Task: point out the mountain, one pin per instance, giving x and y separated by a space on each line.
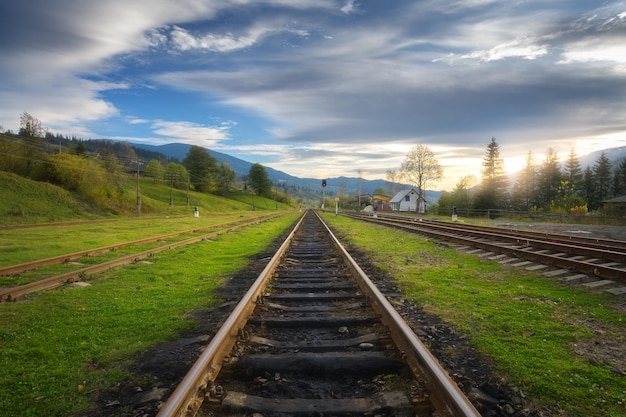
334 186
615 155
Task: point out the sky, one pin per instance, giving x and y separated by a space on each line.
323 88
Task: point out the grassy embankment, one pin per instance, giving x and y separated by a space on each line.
23 201
61 346
531 326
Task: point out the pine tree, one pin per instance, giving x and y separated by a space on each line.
493 187
525 189
573 174
620 179
602 180
549 179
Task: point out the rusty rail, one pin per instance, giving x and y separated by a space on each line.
60 259
445 394
11 294
518 247
185 400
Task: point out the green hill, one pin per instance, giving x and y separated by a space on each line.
23 201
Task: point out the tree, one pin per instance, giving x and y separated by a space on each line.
259 181
202 168
549 179
225 177
524 190
393 179
588 187
620 179
421 168
460 197
32 146
492 192
573 175
176 175
30 127
601 181
154 170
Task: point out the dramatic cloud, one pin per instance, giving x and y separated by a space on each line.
323 87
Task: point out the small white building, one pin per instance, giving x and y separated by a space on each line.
407 200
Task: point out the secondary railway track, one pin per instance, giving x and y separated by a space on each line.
314 336
599 263
51 282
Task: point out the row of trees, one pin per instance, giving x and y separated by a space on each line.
199 171
98 172
545 186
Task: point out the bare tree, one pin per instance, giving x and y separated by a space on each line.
30 126
393 178
421 168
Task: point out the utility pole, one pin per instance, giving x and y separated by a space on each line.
138 196
188 180
171 178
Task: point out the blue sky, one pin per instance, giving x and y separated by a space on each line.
323 88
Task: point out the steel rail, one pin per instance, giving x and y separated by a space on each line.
581 266
13 293
184 400
60 259
617 247
445 394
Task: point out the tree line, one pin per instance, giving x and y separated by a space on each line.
545 186
97 169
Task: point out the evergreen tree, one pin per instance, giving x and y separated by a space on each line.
573 175
525 189
493 187
620 179
549 179
602 181
588 187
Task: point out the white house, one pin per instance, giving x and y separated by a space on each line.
407 200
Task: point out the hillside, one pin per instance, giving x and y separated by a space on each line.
23 201
26 201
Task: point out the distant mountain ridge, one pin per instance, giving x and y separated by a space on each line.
242 168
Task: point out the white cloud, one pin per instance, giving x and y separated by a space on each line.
350 7
192 133
524 49
184 41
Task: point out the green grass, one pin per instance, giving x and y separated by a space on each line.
528 324
26 201
23 201
24 245
61 346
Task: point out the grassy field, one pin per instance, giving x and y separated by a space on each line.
23 245
531 326
63 345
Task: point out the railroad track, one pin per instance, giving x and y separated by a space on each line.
52 282
592 262
314 336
